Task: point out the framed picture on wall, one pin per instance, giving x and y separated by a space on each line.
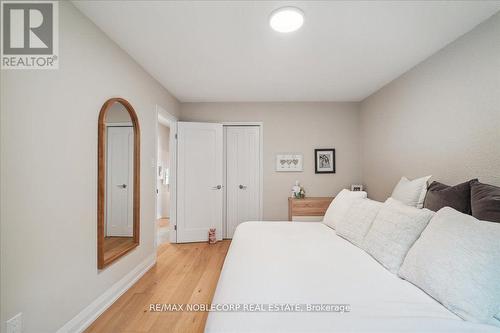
289 163
356 187
324 160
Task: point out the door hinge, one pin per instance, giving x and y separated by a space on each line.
175 227
175 136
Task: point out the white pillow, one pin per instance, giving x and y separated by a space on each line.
339 206
358 220
411 192
457 261
394 231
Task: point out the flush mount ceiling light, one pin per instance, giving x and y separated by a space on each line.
286 19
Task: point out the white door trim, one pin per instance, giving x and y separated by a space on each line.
261 167
166 118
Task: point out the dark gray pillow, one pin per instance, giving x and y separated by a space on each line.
485 201
457 197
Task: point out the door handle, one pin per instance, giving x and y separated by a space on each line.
122 185
218 187
242 187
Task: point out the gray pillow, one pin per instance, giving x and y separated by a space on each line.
456 261
457 197
485 201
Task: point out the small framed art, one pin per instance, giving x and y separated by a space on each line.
324 160
289 162
356 187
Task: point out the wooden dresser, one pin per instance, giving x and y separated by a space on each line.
309 206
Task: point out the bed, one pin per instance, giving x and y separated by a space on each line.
307 263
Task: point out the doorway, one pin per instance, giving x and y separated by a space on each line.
163 184
165 180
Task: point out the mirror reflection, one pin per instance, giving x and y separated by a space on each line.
119 176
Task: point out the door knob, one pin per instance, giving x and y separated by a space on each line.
122 185
242 187
218 187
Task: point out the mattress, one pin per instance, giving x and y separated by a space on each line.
294 263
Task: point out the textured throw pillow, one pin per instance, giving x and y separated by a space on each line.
457 197
485 201
394 231
358 220
339 206
411 192
456 261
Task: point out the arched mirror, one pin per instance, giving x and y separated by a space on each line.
118 181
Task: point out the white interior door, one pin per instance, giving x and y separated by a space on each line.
119 178
242 176
199 180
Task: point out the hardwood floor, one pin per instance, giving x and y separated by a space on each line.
184 273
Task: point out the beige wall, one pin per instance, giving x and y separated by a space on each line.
300 128
440 118
164 158
49 174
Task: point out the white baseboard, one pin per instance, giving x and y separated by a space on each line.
88 315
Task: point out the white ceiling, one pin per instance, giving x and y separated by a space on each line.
226 51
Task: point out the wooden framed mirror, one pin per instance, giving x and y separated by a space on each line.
118 188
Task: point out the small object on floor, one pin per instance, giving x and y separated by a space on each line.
211 236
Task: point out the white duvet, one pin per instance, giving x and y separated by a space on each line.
307 263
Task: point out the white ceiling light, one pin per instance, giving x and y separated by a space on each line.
286 19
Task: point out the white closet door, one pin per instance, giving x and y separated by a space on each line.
242 176
199 180
119 181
